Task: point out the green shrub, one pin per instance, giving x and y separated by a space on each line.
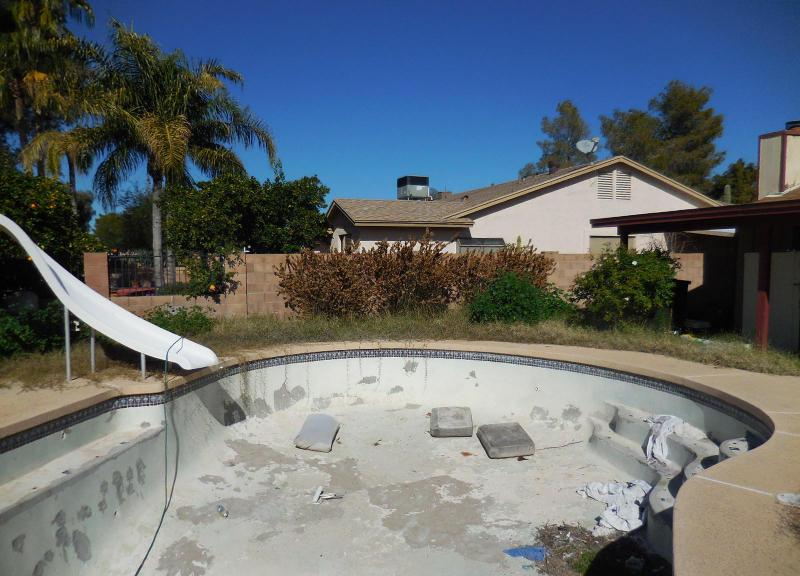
188 321
510 298
31 330
627 286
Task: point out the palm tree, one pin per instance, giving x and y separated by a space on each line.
31 56
167 114
76 96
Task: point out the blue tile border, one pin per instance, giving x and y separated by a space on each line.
138 400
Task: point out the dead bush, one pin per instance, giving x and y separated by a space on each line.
398 277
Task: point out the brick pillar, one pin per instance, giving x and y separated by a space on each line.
95 272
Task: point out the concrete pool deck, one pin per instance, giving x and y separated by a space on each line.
727 520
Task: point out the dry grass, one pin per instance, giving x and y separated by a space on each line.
47 370
230 336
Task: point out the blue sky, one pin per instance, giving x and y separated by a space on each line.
360 93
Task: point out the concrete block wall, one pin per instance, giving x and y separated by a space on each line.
569 266
258 291
95 272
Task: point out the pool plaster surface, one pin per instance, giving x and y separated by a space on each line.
412 503
727 520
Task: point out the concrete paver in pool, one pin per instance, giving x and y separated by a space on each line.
505 440
451 421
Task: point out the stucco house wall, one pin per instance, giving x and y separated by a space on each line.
368 236
557 218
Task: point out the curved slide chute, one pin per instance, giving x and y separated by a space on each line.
106 317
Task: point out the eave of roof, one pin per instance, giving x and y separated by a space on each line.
459 223
431 222
703 218
588 169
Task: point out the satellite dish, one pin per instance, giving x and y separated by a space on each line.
588 146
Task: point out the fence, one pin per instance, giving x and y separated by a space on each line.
258 289
133 274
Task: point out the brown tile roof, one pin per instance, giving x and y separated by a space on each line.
455 209
399 211
481 195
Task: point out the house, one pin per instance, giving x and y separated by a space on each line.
551 211
765 279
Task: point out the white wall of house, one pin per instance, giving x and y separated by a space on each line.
557 219
368 236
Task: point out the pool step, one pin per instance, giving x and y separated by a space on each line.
622 440
69 467
688 447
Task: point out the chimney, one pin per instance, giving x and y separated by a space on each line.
779 160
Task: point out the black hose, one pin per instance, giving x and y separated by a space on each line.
168 491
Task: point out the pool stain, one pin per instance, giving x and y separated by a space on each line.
185 557
368 380
395 390
410 367
438 511
18 543
82 545
284 398
254 457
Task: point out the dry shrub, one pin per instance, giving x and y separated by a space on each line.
398 277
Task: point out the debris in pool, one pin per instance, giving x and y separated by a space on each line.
465 453
661 426
318 433
506 440
535 553
624 504
449 421
321 495
377 442
222 511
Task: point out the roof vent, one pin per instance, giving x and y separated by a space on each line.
413 188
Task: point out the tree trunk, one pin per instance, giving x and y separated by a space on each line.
73 185
158 278
19 112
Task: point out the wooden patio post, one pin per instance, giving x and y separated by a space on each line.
764 232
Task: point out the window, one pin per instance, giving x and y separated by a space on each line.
600 244
614 184
481 245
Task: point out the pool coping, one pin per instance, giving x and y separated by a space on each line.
732 502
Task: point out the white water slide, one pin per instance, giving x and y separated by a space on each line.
106 317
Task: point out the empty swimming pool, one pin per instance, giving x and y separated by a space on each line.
84 494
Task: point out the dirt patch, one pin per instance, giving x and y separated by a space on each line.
572 550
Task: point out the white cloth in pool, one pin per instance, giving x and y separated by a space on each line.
318 433
660 427
624 504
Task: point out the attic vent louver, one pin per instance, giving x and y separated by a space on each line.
614 184
622 185
605 186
